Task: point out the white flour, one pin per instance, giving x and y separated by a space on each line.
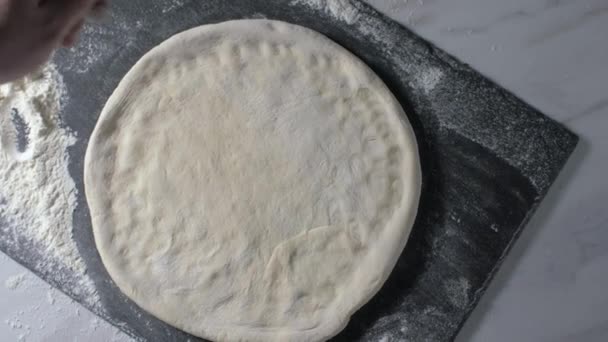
28 317
169 6
340 9
98 41
458 291
426 78
37 194
429 78
14 282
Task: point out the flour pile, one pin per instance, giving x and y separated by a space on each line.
37 194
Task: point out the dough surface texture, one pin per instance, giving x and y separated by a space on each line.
252 181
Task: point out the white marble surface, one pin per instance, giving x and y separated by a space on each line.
552 287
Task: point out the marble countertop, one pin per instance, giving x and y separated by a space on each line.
552 287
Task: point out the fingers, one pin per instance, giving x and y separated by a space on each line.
99 8
69 12
97 13
66 17
72 36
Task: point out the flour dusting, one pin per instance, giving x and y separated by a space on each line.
458 291
428 79
172 5
14 282
340 9
377 32
33 319
89 50
37 194
99 41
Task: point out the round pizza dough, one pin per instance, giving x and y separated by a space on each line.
252 181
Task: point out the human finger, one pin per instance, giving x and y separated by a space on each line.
63 17
67 13
72 36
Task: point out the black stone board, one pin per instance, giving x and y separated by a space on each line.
488 160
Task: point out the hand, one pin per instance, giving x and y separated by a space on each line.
30 30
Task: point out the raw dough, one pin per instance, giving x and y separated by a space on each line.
252 181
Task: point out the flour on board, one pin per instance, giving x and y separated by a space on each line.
458 290
346 11
427 79
37 194
169 6
341 9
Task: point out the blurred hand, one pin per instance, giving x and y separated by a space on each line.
30 30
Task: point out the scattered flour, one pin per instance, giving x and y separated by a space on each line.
14 323
429 78
94 324
23 330
14 282
37 194
100 40
458 291
30 318
172 5
346 11
50 297
408 13
340 9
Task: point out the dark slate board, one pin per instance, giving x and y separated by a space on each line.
488 160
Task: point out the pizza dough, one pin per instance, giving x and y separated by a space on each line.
252 181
